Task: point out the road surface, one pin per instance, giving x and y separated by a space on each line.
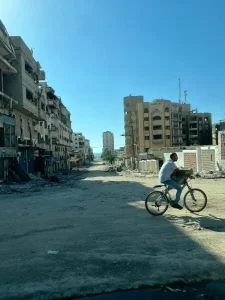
96 236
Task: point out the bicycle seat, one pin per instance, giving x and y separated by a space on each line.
159 186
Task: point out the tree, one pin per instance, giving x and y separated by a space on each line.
90 155
108 156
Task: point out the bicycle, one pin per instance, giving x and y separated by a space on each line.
156 199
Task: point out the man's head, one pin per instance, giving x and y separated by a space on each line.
174 157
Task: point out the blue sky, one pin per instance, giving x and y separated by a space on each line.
95 52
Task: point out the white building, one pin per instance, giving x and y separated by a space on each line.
108 141
80 144
78 141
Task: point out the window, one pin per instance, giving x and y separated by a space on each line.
157 127
30 97
28 68
168 137
42 106
146 110
146 128
156 118
147 138
167 118
167 109
146 119
167 127
157 137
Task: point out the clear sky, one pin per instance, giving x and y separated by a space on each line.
95 52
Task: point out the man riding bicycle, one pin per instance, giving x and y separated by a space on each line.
167 169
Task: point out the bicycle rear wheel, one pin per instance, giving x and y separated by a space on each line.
156 203
195 200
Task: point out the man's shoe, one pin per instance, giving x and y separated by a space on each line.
176 205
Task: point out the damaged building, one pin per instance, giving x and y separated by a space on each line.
7 120
34 122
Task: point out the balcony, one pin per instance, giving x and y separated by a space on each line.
54 128
49 89
158 131
6 67
167 132
55 141
193 136
53 103
42 115
42 75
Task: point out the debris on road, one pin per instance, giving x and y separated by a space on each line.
68 180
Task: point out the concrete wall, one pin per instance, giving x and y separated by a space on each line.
221 149
151 166
190 160
205 158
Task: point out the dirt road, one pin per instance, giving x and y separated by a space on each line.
104 240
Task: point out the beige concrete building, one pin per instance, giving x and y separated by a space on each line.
160 123
59 123
7 121
108 141
33 120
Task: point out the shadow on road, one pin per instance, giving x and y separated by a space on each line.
109 242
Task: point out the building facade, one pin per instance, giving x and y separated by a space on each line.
162 123
216 128
80 147
7 121
108 141
34 122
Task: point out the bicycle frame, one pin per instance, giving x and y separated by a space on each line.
186 184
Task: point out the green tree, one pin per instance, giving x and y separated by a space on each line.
90 155
108 156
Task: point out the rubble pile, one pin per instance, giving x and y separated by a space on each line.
38 183
210 174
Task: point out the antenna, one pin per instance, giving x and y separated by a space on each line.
185 96
179 90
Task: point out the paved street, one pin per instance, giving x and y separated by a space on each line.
101 238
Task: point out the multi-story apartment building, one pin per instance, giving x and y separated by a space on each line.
197 128
23 86
108 141
43 125
80 146
216 128
7 122
162 123
58 123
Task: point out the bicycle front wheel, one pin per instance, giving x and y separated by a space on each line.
195 200
156 203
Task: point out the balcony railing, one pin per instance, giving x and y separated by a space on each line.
53 103
55 141
54 128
